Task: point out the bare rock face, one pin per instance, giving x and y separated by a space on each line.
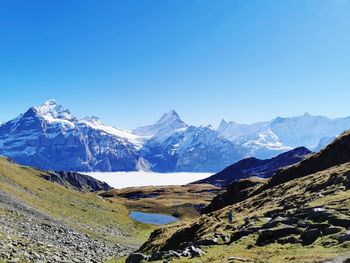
77 181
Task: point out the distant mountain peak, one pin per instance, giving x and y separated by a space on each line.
50 102
169 117
51 111
223 123
167 124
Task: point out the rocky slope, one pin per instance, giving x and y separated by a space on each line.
41 221
255 167
304 218
77 181
29 235
235 192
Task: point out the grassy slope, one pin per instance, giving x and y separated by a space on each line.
323 188
82 211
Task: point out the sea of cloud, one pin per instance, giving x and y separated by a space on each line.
130 179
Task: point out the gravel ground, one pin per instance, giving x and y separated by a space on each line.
28 235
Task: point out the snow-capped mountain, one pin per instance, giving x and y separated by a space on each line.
169 123
50 137
191 149
266 139
175 146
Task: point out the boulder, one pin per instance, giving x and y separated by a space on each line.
319 214
344 237
207 242
238 259
288 240
196 252
186 253
237 235
309 236
343 222
318 225
271 235
290 220
283 220
137 258
330 230
160 255
302 223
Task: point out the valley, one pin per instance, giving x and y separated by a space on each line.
181 201
175 131
292 207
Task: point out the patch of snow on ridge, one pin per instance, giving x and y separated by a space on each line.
130 179
269 140
96 124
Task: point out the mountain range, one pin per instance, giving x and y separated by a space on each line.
253 167
300 214
50 137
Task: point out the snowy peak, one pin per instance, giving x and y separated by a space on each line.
51 112
96 124
169 117
283 133
169 123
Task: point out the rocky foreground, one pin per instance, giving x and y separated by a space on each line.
28 235
53 217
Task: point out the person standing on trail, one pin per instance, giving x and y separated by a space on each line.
230 217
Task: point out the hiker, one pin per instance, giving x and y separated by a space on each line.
230 217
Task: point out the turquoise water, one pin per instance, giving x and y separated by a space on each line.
152 219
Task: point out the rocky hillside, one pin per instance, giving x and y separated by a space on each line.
255 167
77 181
336 153
41 221
234 193
302 218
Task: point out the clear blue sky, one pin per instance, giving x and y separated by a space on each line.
129 61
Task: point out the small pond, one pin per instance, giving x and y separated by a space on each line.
152 219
